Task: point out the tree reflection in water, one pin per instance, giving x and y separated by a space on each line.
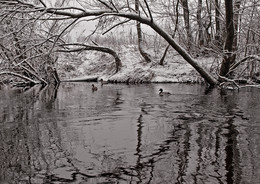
128 134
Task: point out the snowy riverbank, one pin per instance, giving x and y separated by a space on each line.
96 64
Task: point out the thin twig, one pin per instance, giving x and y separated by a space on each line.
114 5
115 26
106 5
149 10
43 3
35 75
233 67
62 33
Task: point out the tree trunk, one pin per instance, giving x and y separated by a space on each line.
207 76
236 20
199 20
140 37
174 32
144 20
227 60
208 25
186 15
217 20
164 55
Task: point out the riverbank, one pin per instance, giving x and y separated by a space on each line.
133 70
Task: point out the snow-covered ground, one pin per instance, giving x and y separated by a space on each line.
134 69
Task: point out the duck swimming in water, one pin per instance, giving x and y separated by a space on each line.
103 82
94 88
162 93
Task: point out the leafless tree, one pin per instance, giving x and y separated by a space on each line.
115 13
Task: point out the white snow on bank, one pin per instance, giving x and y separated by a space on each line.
134 68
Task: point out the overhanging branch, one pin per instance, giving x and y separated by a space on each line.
20 76
133 16
83 47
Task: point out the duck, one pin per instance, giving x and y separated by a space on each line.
94 88
103 82
162 93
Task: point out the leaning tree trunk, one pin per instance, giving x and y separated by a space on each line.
228 48
140 37
134 16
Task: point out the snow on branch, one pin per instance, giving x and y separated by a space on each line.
18 75
66 13
83 47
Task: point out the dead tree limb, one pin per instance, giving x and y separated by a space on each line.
20 76
35 75
66 13
227 82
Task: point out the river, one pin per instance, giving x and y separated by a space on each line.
129 134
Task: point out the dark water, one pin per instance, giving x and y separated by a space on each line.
129 134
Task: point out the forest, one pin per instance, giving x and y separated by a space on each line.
36 34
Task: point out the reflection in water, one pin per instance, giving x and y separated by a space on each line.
129 134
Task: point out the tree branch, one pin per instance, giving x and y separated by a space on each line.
115 26
35 75
62 33
149 10
223 84
134 16
234 66
43 3
90 47
106 5
20 76
111 1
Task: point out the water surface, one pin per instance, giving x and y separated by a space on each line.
129 134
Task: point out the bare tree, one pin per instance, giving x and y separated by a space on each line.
186 15
60 13
176 15
217 22
139 35
116 12
200 24
228 48
23 51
